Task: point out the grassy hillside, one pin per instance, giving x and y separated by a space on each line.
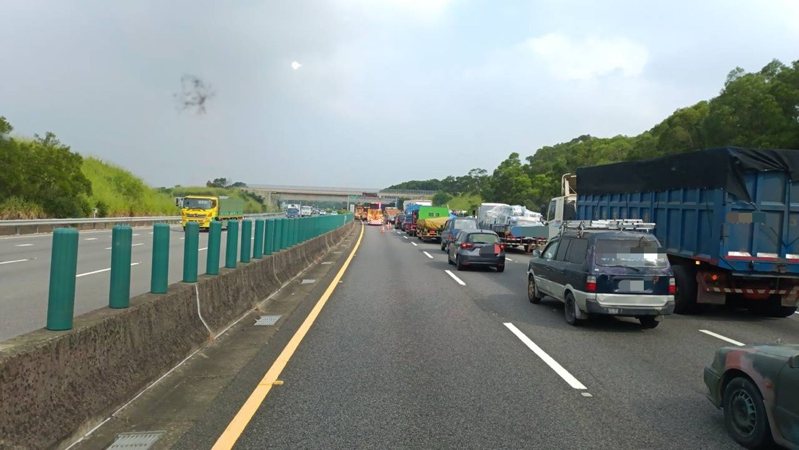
117 192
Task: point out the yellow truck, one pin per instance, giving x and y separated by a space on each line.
206 209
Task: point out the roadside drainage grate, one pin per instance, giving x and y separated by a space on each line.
307 281
267 320
141 440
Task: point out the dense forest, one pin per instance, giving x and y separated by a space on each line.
753 110
41 177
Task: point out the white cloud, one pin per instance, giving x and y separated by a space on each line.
423 10
587 58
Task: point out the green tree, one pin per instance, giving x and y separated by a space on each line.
441 198
510 184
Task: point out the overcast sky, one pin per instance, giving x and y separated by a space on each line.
365 93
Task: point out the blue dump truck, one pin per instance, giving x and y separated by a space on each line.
728 219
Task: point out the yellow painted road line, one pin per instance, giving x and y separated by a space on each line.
236 426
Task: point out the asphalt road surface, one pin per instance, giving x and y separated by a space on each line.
25 273
405 354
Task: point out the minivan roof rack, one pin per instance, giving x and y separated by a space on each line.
613 224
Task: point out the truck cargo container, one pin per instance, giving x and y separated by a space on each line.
728 219
430 221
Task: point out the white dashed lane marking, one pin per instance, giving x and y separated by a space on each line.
457 280
14 261
554 365
723 338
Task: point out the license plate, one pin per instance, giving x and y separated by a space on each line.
613 311
631 285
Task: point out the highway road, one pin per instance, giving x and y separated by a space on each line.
25 272
409 352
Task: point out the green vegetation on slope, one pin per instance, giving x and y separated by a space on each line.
43 178
40 177
117 192
754 110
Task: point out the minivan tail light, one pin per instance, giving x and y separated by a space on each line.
672 287
590 284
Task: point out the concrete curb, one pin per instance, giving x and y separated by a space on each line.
55 385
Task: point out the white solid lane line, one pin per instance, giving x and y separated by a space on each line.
14 261
406 237
90 239
723 338
508 259
414 244
452 275
24 245
554 365
101 271
428 255
204 248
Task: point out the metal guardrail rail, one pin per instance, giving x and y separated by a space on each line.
34 225
71 221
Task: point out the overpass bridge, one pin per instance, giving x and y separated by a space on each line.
278 193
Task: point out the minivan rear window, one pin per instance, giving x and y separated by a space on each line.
634 252
465 224
483 238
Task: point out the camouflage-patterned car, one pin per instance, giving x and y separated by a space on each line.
758 388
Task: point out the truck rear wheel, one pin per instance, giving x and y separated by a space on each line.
774 308
685 297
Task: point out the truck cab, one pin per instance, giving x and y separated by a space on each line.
562 208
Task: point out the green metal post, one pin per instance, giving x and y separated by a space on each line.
280 232
119 292
159 276
63 268
246 240
214 248
231 251
293 236
258 246
284 232
191 247
269 238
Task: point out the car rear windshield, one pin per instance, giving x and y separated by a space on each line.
634 252
483 238
465 224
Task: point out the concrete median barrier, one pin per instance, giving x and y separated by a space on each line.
55 386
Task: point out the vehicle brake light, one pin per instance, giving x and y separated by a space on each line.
672 287
466 245
590 284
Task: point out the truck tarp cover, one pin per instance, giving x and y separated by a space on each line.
710 169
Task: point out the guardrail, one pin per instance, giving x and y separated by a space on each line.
271 236
30 226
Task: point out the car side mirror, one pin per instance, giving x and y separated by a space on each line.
536 253
793 363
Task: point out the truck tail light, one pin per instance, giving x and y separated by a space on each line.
466 245
672 287
590 284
